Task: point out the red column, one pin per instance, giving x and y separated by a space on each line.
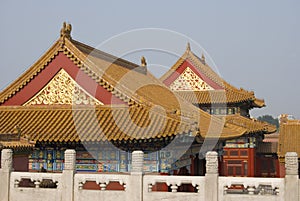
251 162
281 170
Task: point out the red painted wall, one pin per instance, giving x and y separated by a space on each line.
20 163
62 61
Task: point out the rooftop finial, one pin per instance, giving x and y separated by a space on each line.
143 61
203 58
65 31
188 46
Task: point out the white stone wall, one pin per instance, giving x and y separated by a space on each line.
138 187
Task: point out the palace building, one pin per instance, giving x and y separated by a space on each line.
195 81
288 140
104 107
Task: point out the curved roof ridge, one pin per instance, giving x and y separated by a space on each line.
149 97
204 68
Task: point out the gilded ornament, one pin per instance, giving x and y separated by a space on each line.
189 81
63 90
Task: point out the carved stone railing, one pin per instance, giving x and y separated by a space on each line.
251 186
101 179
136 186
36 178
174 181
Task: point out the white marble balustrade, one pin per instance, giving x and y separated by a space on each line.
101 179
251 186
174 181
16 177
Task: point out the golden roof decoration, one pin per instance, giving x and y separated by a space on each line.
235 95
63 90
143 61
203 58
189 81
65 31
188 47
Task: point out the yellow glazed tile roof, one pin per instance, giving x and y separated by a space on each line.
15 140
102 123
251 125
129 82
67 124
289 137
22 143
230 94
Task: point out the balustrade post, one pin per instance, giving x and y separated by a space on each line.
211 176
291 176
67 180
135 187
6 168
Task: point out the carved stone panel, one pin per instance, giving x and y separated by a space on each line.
70 159
211 162
291 163
137 161
6 159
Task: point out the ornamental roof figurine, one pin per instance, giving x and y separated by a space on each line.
203 58
143 61
188 47
65 31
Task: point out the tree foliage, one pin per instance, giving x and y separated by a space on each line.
269 119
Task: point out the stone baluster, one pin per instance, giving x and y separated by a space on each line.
291 176
37 184
6 160
16 183
6 168
251 190
277 191
225 189
80 185
150 187
70 160
211 176
174 188
135 185
211 162
291 163
102 186
68 175
137 162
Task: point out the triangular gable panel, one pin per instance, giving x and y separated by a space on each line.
187 77
45 88
189 81
63 90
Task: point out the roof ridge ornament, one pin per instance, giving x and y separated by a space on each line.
143 67
143 61
65 32
188 47
203 58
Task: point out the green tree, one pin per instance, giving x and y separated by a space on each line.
269 119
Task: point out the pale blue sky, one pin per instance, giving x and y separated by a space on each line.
255 44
